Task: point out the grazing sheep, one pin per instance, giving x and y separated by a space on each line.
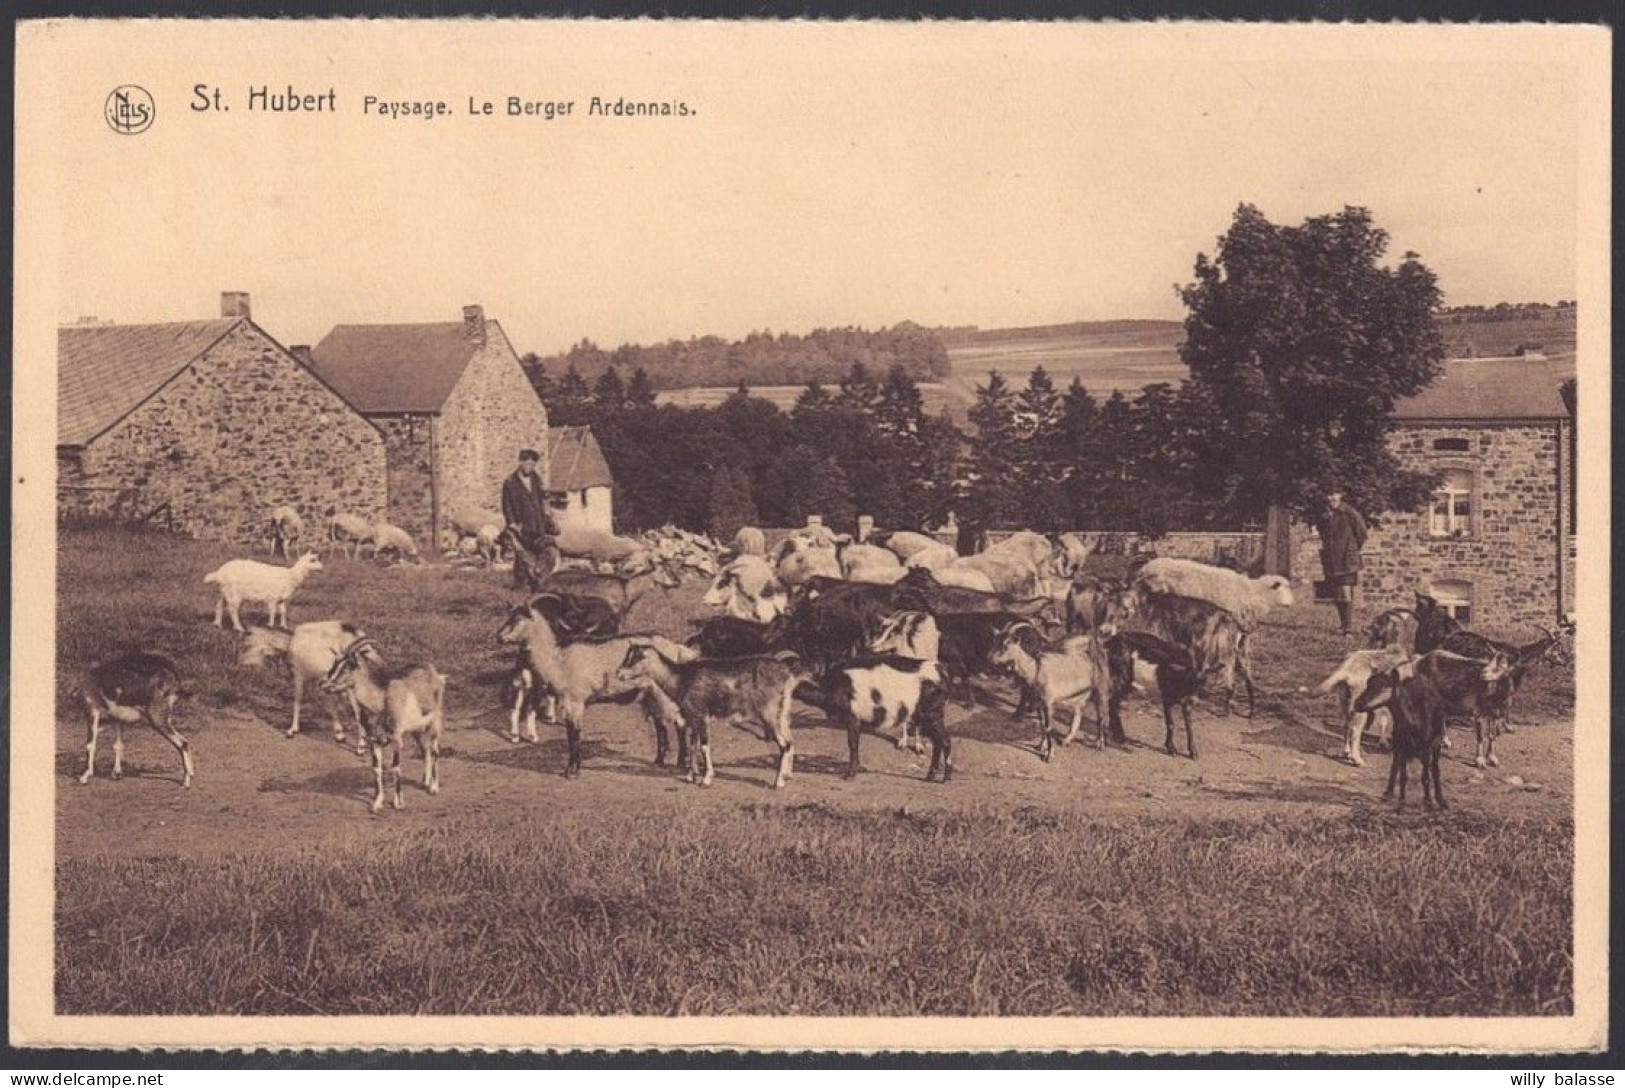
310 650
391 538
133 687
801 562
906 545
248 581
1011 575
1348 680
286 529
407 700
867 563
1247 599
935 557
350 532
749 541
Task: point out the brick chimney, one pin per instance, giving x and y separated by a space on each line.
234 304
302 353
474 323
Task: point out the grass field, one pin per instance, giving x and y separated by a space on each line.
1267 878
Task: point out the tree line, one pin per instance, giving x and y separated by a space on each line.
762 358
1299 342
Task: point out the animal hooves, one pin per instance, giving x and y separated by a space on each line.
1495 761
84 779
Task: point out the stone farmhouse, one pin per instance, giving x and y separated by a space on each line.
453 403
580 487
205 427
1496 547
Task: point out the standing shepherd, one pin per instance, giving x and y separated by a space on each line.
524 508
1342 535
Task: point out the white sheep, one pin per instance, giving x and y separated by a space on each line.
350 532
867 563
286 529
906 545
392 538
963 578
800 562
248 581
1011 574
937 556
1247 599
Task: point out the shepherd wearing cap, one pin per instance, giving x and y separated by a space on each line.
524 505
1342 535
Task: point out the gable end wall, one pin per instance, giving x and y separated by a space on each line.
244 429
491 414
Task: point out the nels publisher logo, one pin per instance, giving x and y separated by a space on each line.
129 110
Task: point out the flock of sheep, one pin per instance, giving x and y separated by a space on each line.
879 635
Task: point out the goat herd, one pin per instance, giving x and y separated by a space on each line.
878 635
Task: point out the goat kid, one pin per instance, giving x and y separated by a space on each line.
395 702
1063 674
133 687
753 693
248 581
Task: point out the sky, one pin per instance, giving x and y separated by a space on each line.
829 174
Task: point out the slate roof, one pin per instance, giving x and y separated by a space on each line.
575 461
105 371
1490 389
385 369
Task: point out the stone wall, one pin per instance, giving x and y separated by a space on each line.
244 429
1510 555
409 441
491 414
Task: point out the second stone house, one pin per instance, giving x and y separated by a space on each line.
454 405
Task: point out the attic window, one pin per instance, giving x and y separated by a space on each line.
1455 597
1450 445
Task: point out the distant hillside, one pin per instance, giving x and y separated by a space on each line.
1100 332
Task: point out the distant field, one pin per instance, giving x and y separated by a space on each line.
1126 355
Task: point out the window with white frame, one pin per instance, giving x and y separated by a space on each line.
1453 505
1455 597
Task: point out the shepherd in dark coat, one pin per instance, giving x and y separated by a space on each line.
1342 535
524 505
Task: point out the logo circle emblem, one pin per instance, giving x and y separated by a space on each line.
129 110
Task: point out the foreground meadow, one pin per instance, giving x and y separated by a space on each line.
1265 879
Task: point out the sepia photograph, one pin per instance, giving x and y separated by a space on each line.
937 536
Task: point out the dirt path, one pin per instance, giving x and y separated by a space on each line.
259 791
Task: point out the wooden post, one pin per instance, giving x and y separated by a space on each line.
1278 542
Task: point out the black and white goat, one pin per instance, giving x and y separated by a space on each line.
133 687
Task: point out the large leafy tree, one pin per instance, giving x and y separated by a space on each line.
1302 341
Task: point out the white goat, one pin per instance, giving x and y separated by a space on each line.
287 527
310 650
248 581
1350 679
395 703
1247 599
350 531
